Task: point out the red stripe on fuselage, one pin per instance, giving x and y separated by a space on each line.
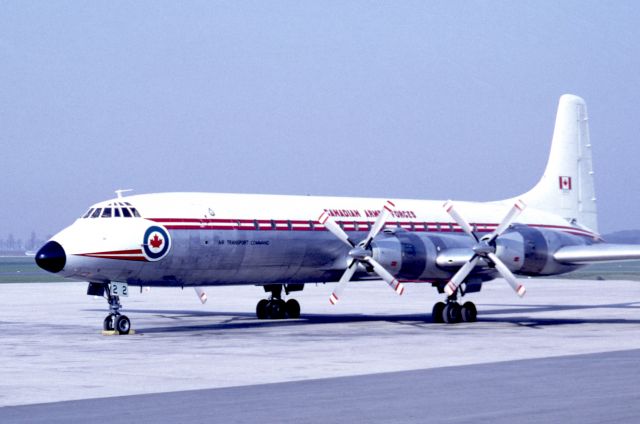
283 225
120 257
116 252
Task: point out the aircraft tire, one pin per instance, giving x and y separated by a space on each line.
122 324
452 313
293 308
277 309
107 324
262 309
437 313
469 312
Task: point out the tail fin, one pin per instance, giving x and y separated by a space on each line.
566 187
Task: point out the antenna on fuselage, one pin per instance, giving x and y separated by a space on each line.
121 190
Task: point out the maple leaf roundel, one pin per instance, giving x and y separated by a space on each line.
156 243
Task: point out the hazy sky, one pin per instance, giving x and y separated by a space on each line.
406 99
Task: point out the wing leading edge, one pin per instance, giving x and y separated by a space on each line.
597 253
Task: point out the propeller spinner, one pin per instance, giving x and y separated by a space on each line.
361 253
484 248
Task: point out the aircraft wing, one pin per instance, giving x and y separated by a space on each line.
597 253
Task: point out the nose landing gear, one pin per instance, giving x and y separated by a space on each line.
114 323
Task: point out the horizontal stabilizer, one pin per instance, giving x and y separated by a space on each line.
597 253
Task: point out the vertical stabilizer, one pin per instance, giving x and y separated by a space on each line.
567 186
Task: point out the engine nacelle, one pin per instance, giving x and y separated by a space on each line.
412 256
534 249
435 256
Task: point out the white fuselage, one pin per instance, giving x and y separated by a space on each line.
184 239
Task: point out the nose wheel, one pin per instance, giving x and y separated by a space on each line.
119 323
115 322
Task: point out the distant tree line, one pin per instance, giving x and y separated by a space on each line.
14 245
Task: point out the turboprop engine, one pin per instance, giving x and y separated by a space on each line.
397 255
523 249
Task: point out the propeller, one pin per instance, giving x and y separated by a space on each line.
201 295
485 248
361 253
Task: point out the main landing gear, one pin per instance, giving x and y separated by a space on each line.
275 307
114 322
452 312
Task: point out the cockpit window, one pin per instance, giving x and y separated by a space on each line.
113 210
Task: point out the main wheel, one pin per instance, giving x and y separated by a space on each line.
436 312
469 312
277 309
107 324
293 308
262 309
451 313
122 324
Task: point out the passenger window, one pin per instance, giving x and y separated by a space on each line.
96 213
106 213
135 212
86 215
116 212
126 213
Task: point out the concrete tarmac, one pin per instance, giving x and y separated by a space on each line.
52 349
589 389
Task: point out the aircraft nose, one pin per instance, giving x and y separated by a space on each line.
51 257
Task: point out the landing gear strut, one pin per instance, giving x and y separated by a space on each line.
275 307
114 321
452 312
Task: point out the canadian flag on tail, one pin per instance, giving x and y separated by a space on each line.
565 183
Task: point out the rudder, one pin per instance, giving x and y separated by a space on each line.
567 185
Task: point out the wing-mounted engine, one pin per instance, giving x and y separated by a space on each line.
530 251
527 251
524 250
416 257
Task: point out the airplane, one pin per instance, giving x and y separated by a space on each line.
284 242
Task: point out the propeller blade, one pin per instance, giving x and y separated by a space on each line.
515 210
459 276
201 295
397 286
342 284
379 222
507 274
448 206
334 228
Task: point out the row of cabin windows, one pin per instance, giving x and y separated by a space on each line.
119 210
410 226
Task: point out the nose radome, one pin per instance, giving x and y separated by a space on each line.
51 257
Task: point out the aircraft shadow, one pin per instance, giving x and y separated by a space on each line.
494 313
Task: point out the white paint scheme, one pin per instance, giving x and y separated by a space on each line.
570 157
274 240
